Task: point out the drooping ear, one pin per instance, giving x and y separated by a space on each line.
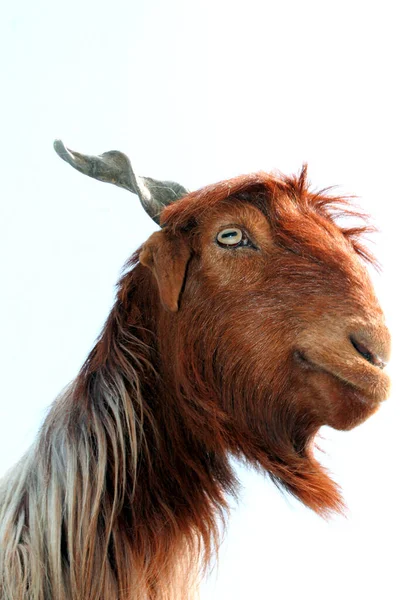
166 255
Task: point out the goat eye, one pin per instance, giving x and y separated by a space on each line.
230 237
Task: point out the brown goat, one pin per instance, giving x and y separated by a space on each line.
243 326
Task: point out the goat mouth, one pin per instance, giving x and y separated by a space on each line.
349 389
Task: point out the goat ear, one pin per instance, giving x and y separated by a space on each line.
167 257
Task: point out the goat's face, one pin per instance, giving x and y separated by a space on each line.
286 332
303 323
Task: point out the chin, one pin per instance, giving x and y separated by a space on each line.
344 406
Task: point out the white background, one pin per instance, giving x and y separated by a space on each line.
198 92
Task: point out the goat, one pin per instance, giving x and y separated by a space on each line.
239 329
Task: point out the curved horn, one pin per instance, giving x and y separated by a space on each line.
115 167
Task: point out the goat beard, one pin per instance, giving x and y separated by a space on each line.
281 441
233 412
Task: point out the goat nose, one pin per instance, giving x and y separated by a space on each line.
364 348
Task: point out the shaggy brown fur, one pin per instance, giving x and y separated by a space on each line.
209 352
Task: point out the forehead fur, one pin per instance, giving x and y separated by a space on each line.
295 213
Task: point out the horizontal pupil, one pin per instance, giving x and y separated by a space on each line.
230 234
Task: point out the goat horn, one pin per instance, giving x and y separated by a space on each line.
115 167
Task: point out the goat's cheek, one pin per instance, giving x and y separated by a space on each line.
233 269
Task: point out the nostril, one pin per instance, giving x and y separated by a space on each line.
369 356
